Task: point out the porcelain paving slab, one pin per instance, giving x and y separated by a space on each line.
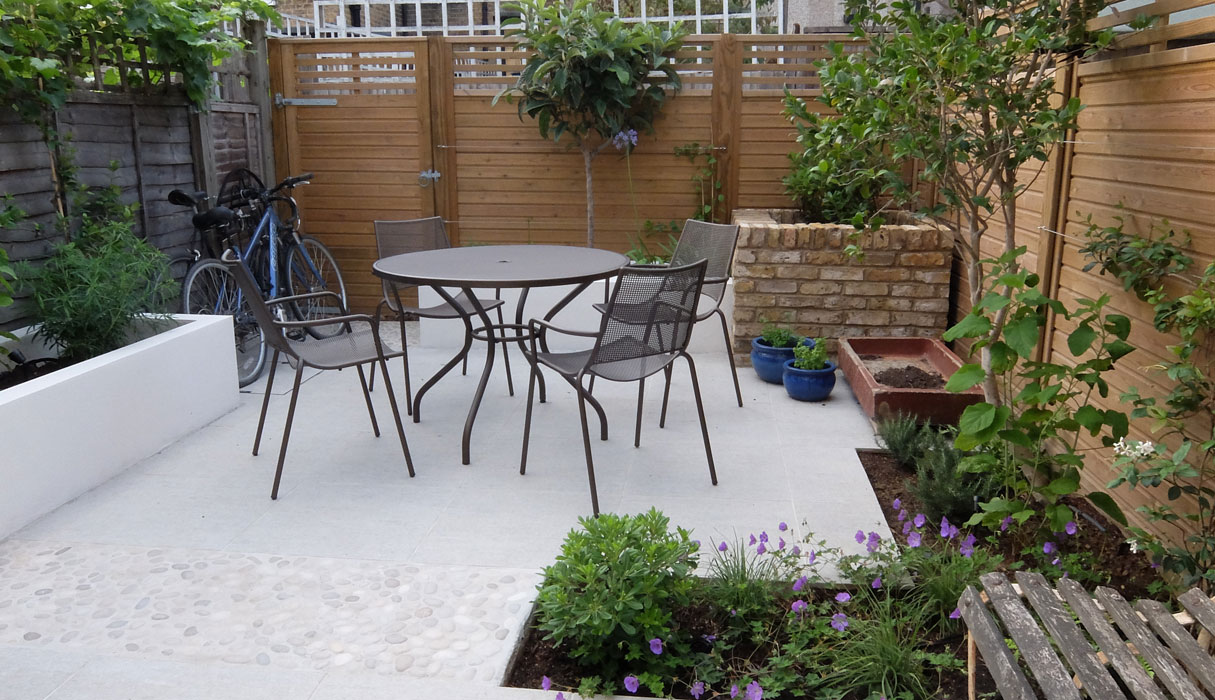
280 612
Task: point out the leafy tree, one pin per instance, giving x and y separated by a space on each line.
591 76
973 95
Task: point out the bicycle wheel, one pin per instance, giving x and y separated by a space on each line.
310 267
210 288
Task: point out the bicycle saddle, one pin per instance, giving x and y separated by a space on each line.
187 199
214 217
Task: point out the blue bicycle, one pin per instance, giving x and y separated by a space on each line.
283 262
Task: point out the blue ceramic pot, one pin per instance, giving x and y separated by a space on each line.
769 362
809 384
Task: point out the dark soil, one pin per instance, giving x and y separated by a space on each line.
909 377
1130 574
31 369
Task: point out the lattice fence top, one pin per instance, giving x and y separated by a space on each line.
787 62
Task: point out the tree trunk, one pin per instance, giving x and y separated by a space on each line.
588 155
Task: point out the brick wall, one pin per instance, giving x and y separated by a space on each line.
797 275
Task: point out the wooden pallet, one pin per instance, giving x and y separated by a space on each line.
1109 653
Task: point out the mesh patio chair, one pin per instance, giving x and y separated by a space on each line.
714 243
645 327
359 344
412 236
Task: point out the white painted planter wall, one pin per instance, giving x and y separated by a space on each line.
69 431
578 315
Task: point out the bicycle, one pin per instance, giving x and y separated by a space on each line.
273 247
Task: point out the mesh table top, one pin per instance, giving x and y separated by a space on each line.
501 266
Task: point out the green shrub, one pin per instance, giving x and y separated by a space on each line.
806 357
614 588
776 336
744 581
91 292
943 488
903 436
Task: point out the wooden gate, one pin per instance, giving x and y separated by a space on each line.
356 113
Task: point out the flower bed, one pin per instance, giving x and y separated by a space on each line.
621 611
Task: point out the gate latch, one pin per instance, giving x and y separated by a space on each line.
280 101
428 177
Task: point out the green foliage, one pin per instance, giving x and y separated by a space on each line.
93 291
1182 468
705 182
839 173
744 581
810 358
903 436
776 336
1030 443
47 45
942 486
613 588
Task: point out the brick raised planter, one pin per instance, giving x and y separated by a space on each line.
798 275
861 358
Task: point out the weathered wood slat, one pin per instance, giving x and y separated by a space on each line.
990 641
1200 608
1137 633
1076 649
1183 647
1035 648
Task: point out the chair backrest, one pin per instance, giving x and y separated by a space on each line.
714 243
650 314
252 298
408 236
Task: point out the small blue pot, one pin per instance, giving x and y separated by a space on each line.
769 362
809 384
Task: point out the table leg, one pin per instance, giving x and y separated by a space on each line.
523 350
417 398
491 343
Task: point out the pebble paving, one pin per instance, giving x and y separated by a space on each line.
356 616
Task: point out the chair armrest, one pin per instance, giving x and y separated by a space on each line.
535 324
716 280
348 318
308 295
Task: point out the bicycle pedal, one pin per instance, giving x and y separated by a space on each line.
296 334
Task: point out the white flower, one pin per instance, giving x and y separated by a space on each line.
1134 449
1134 543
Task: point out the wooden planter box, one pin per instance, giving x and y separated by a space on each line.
73 429
880 401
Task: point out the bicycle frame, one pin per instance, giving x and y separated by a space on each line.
270 226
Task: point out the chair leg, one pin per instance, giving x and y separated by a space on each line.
640 398
282 450
586 445
371 381
725 333
261 421
527 419
396 414
375 427
510 384
590 389
700 410
405 371
666 393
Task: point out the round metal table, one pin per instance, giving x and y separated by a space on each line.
497 267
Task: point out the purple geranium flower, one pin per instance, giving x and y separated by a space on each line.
1005 523
754 692
698 689
898 503
875 541
810 558
783 526
710 638
906 527
752 539
545 683
1070 528
839 621
955 614
860 537
780 544
734 691
1049 547
919 520
799 606
877 583
624 139
761 548
913 540
656 646
948 531
722 547
797 551
560 696
800 583
842 597
968 546
763 536
902 515
631 683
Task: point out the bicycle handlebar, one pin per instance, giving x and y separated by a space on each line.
292 182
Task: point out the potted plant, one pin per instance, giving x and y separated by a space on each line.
772 349
809 375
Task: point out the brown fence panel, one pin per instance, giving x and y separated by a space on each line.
354 114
